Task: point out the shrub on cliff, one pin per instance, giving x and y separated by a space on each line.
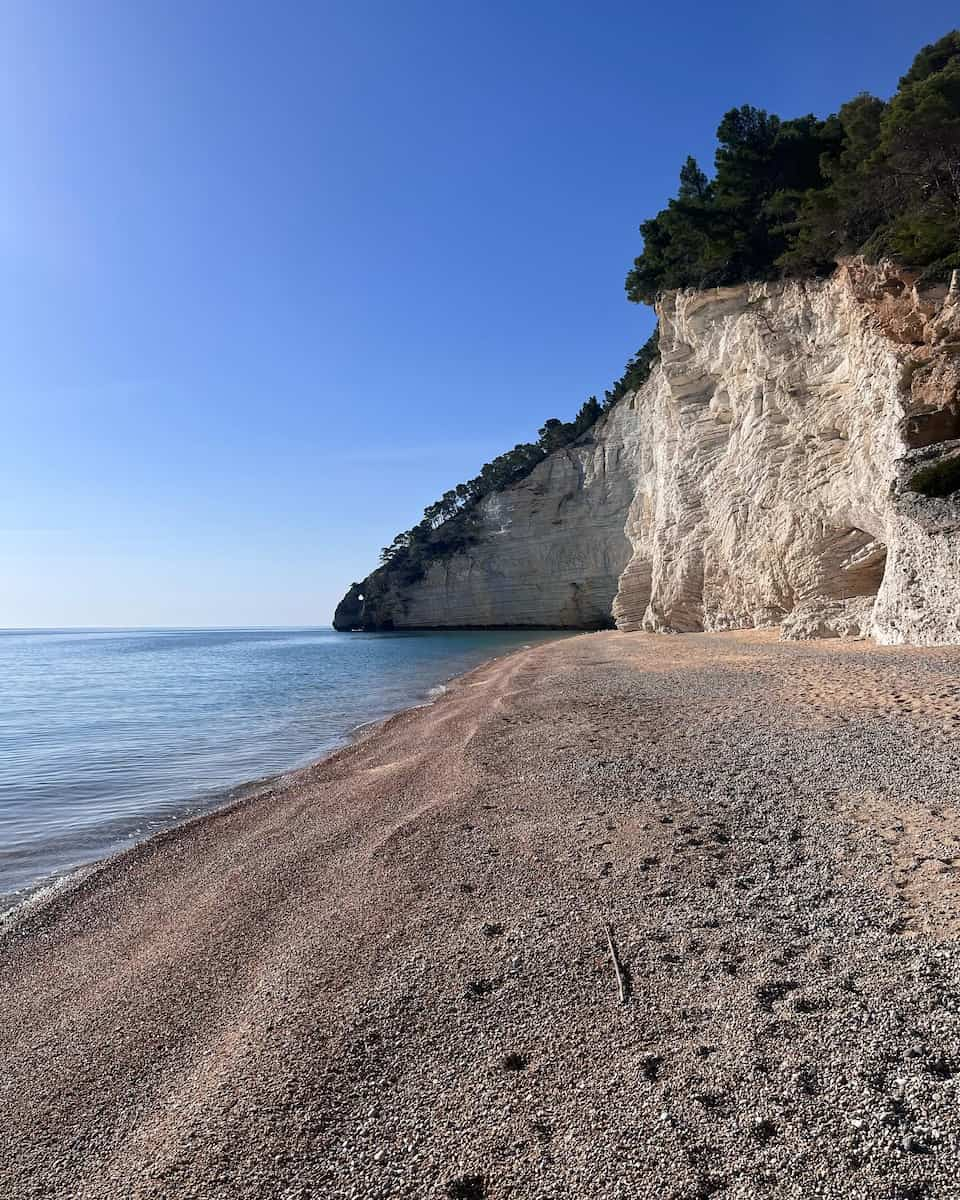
449 524
878 178
638 368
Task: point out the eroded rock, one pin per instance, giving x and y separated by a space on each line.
762 476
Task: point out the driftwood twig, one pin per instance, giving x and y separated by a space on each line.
622 984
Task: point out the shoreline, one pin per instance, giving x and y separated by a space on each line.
391 974
49 888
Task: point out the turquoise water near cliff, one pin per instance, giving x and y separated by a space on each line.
107 736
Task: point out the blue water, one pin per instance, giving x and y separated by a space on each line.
109 736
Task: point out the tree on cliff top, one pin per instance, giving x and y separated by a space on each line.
786 197
449 523
792 196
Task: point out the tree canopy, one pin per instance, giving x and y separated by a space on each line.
880 178
449 524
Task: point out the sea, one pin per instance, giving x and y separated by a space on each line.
109 736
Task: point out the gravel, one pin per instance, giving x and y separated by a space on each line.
389 975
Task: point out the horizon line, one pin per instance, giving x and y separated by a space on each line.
145 628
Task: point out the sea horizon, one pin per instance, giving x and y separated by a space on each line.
112 734
152 628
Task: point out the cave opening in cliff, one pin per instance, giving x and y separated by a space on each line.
848 569
939 479
852 564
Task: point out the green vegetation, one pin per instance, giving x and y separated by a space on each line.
637 371
939 479
880 178
449 524
788 197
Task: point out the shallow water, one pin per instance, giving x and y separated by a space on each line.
109 736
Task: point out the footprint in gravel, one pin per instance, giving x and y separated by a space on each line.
913 1191
467 1187
763 1130
769 993
543 1131
651 1067
807 1004
911 1144
941 1067
476 989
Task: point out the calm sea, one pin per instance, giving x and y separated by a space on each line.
109 736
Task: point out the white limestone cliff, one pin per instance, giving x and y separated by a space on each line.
549 550
763 475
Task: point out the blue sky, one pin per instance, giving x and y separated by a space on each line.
277 275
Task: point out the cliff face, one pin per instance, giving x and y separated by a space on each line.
549 550
763 475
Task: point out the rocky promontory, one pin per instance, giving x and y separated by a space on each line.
791 461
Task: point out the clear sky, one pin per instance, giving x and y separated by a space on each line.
276 275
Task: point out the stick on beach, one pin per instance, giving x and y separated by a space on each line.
384 976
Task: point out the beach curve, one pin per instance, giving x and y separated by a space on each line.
390 973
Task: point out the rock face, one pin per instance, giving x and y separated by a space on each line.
765 474
550 551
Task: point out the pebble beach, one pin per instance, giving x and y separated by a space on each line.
620 915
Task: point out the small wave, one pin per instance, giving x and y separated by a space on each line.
19 909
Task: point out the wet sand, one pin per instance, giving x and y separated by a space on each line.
390 974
